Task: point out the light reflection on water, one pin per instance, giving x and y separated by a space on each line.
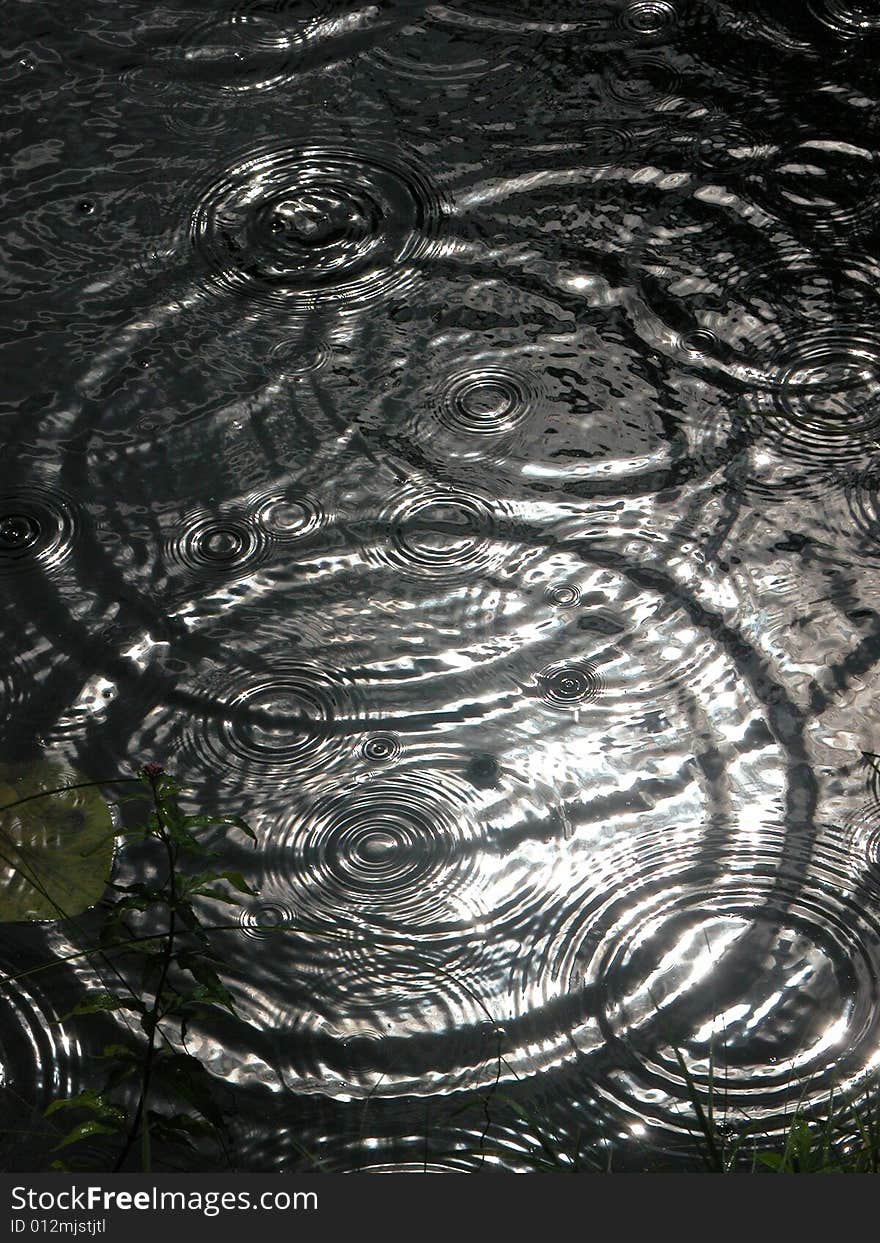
447 436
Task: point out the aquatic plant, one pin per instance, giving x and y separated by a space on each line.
154 941
842 1138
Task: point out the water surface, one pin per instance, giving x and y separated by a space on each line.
447 434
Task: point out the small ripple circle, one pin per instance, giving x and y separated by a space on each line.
249 50
212 544
569 685
485 402
38 528
441 534
296 227
395 853
381 748
293 357
297 719
288 516
642 81
264 920
700 342
848 20
821 401
562 595
649 18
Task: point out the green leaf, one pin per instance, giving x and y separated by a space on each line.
166 787
119 1052
202 994
212 986
55 852
119 1072
187 1079
113 935
169 1123
86 1100
772 1159
218 895
187 916
102 1001
199 884
85 1130
238 823
152 972
235 822
150 947
237 881
803 1141
189 845
132 903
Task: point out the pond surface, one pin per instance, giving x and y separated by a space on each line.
449 435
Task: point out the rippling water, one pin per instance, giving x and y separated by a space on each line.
449 435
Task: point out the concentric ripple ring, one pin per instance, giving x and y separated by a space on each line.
295 227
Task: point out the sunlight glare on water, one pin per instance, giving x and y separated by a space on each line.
447 435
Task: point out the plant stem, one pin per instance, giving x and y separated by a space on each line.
141 1116
79 785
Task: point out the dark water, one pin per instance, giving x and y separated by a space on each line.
448 435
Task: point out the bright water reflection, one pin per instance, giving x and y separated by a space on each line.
448 435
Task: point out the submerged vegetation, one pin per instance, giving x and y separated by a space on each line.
61 847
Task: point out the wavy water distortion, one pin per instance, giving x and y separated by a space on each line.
448 436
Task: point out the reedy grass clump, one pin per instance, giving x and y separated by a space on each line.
843 1137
